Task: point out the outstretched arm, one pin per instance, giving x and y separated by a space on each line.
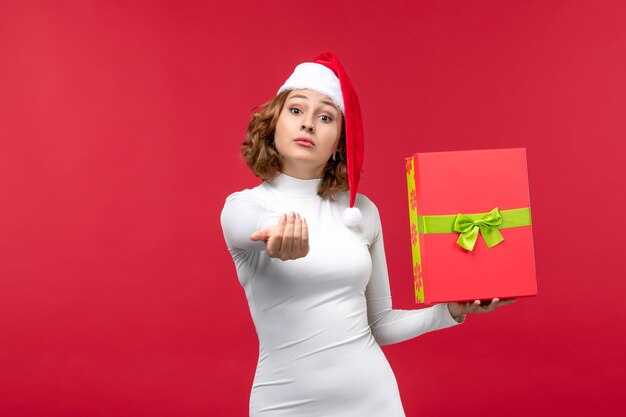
249 226
242 216
392 326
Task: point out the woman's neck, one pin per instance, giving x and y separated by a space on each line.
302 171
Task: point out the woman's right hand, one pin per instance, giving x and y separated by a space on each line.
289 239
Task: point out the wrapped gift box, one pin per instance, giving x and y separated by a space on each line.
471 231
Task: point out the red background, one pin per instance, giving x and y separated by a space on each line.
120 123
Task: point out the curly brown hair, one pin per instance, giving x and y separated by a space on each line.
263 159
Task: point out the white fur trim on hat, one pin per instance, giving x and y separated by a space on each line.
316 77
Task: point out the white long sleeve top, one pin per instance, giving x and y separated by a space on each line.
320 319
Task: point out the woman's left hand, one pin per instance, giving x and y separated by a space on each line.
459 310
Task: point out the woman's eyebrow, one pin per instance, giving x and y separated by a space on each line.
329 103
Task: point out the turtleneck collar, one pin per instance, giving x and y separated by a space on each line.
295 186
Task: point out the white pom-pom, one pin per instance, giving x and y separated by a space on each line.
352 216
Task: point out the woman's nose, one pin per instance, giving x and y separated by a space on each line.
307 126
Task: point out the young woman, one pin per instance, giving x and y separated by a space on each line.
310 256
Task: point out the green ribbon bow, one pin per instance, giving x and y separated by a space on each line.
469 225
487 225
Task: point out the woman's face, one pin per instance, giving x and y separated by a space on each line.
307 133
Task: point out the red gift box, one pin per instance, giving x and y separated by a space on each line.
471 232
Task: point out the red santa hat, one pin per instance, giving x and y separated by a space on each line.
325 75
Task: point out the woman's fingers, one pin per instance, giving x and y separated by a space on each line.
274 243
262 234
287 243
299 241
304 240
506 302
497 302
301 238
297 237
476 307
492 305
289 239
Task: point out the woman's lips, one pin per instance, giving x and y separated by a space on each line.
308 143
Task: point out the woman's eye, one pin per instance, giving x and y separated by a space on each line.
326 118
295 110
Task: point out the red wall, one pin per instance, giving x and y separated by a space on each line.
119 130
